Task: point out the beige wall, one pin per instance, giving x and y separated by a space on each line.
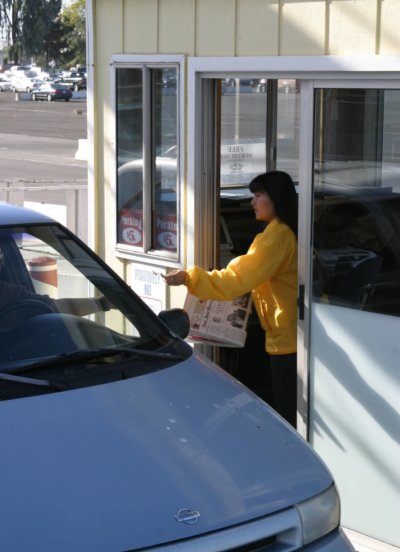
248 27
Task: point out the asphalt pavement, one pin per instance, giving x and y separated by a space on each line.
40 156
39 140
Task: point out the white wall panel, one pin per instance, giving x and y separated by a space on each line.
257 27
140 26
303 27
176 26
389 42
352 27
215 28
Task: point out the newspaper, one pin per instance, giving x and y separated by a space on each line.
221 323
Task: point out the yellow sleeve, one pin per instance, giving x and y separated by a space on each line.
269 254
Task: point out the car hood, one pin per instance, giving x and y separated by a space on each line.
109 467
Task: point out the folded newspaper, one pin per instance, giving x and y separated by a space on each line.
221 323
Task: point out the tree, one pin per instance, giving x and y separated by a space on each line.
38 21
55 46
26 24
44 30
73 23
10 20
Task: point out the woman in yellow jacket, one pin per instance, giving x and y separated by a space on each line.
269 271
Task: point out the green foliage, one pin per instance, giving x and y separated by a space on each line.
42 30
37 20
73 22
10 21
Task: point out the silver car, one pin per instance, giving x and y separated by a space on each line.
5 84
117 435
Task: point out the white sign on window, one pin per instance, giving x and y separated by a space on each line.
241 162
150 286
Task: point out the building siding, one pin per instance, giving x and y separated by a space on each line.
353 26
247 27
257 28
215 28
139 26
250 27
388 32
176 29
303 28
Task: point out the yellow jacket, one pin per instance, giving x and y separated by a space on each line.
269 271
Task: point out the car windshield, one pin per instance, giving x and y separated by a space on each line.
59 301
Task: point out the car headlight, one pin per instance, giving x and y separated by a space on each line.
319 515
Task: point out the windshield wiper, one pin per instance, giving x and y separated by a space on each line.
93 354
30 381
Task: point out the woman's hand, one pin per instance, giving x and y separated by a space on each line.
175 278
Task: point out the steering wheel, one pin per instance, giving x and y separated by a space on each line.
33 304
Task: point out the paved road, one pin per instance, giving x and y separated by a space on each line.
39 140
38 165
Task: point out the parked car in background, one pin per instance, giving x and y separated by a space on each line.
19 69
22 83
75 80
117 435
52 91
5 84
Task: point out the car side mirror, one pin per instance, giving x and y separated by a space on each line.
177 320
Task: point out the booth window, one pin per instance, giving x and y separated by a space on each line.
356 260
147 159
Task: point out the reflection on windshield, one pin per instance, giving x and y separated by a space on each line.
56 299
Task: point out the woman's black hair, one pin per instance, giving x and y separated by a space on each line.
280 188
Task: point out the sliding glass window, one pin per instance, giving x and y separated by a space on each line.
357 199
147 159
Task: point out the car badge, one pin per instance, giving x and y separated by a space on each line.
185 515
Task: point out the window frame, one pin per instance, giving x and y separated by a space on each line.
146 252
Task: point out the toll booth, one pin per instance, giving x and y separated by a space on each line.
187 101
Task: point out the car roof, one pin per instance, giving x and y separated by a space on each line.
12 215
